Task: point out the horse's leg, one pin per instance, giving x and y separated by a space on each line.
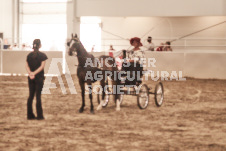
115 83
82 85
102 83
91 97
117 99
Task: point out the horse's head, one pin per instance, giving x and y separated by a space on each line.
73 44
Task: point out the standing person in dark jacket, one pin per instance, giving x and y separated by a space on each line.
35 67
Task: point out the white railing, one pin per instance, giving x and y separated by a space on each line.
200 43
192 43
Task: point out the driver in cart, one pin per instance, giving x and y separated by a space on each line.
136 54
133 62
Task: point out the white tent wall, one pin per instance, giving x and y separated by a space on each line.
40 13
135 8
6 19
117 31
125 9
163 20
169 20
113 8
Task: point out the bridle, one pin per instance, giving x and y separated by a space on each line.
76 40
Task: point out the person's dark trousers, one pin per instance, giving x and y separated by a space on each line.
35 87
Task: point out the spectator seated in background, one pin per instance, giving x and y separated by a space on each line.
111 48
6 44
160 48
167 46
25 47
93 48
15 47
150 46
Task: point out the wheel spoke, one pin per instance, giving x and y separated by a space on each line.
159 92
143 97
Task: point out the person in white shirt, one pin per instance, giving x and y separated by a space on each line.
15 47
150 46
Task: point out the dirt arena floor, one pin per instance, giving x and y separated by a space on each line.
193 117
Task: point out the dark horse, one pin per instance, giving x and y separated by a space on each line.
83 69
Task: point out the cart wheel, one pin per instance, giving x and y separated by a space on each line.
106 99
159 94
143 97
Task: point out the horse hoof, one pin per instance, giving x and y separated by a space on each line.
92 111
117 109
80 110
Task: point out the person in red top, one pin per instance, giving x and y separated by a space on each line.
160 48
35 67
111 51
